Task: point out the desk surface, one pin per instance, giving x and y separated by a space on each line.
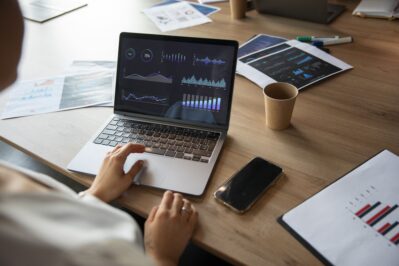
337 123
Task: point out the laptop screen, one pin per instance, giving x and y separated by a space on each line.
187 80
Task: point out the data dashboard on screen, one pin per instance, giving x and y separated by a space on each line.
176 79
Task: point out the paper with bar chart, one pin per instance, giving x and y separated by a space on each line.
294 62
175 16
354 221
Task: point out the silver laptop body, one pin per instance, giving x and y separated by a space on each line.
173 94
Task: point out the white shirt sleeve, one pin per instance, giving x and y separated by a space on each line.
59 228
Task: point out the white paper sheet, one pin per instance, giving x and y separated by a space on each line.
86 83
282 65
175 16
43 10
207 10
81 66
336 223
257 43
34 97
102 93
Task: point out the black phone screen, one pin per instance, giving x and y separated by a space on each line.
246 185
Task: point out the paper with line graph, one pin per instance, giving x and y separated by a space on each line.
355 221
86 83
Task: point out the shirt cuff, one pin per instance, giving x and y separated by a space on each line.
85 196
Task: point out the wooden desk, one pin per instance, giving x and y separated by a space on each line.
337 124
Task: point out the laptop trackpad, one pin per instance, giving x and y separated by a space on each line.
148 174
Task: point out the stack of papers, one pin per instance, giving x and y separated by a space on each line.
86 83
177 15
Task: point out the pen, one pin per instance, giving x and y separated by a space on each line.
320 45
313 38
338 41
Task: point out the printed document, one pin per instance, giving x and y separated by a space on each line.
354 221
86 83
204 9
175 16
43 10
294 62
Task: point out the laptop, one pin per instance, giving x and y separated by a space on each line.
319 11
172 94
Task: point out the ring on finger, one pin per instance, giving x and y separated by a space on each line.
185 210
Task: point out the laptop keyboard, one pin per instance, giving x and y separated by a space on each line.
182 143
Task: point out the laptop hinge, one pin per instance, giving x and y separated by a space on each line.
170 123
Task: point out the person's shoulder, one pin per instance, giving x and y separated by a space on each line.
16 179
7 174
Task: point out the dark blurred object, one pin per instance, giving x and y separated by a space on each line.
250 5
319 11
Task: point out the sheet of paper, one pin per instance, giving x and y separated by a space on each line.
80 66
297 63
43 10
34 97
175 16
258 42
354 221
86 89
204 9
86 83
105 92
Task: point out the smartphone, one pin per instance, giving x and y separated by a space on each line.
242 190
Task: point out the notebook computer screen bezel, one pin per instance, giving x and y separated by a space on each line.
120 110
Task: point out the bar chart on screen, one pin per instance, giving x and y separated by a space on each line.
201 102
172 58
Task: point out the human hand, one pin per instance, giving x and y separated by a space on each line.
112 181
168 228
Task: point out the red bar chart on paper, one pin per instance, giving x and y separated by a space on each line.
381 219
355 220
378 215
